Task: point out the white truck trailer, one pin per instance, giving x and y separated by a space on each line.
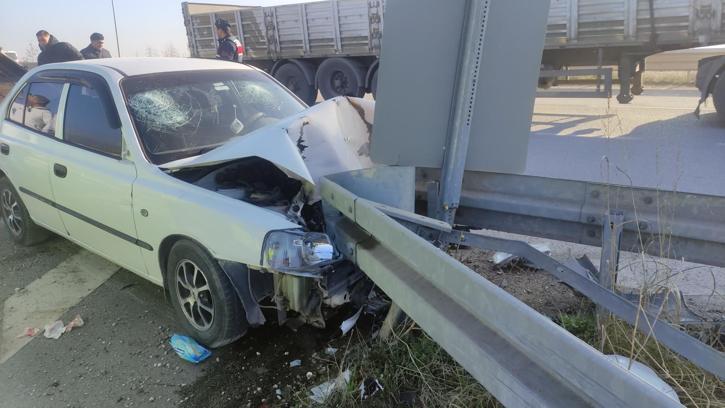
333 45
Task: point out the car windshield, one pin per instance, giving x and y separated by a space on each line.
184 114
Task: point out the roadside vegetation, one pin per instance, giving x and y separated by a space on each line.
414 371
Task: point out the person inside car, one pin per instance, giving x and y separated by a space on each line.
37 114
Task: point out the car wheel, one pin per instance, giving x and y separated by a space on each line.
203 298
16 218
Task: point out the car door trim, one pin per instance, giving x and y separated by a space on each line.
88 220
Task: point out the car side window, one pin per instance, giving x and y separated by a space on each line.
41 106
86 123
17 106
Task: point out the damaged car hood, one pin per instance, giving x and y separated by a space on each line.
330 137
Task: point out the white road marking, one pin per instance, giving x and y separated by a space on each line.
47 298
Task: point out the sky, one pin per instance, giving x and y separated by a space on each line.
142 24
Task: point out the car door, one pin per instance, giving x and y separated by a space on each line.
27 147
92 183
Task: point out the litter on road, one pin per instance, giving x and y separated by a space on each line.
29 332
323 391
54 330
348 324
295 363
188 349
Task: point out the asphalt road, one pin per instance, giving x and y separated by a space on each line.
121 357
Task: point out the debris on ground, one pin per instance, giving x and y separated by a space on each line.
369 387
503 258
54 330
348 324
188 349
330 351
323 391
295 363
76 322
29 332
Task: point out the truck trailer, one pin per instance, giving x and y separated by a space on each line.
333 46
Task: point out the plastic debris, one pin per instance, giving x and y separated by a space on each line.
324 390
29 332
188 349
76 322
54 330
369 387
503 258
309 375
330 351
348 324
295 363
645 373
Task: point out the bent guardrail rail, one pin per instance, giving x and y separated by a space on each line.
520 356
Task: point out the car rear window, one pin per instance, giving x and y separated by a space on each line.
183 114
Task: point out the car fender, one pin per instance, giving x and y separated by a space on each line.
229 229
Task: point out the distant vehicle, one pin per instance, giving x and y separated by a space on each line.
12 55
333 45
189 173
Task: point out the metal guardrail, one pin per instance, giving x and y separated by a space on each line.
603 83
666 224
518 355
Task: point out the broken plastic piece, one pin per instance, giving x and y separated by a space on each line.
54 330
330 351
188 349
29 332
295 363
348 324
324 390
76 322
369 387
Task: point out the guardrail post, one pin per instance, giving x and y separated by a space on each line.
612 227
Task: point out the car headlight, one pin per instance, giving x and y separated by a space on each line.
295 250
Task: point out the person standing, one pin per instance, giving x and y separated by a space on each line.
230 48
52 50
95 49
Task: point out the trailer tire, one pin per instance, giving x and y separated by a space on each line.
341 77
291 76
374 85
718 96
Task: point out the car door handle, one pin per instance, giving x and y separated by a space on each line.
4 149
60 170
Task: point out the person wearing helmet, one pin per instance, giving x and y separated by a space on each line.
230 48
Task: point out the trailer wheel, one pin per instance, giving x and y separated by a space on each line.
291 76
341 77
718 96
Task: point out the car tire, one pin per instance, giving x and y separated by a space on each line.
203 298
22 229
341 77
291 76
718 96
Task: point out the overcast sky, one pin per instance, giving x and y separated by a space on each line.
141 23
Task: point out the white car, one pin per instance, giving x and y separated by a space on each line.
198 175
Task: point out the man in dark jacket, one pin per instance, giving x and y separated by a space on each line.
54 51
95 49
230 48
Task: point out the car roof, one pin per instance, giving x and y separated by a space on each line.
143 66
